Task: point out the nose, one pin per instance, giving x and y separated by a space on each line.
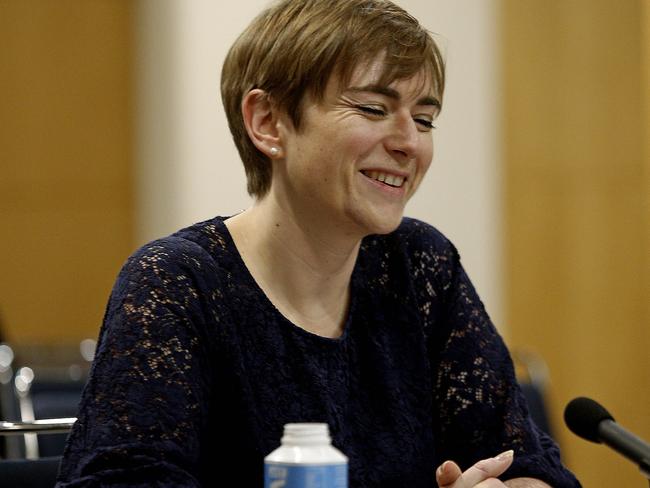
402 142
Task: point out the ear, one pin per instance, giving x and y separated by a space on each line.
261 121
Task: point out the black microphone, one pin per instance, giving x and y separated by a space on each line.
590 420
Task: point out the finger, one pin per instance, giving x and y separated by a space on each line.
485 469
447 474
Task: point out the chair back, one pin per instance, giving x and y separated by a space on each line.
533 378
29 473
43 383
55 399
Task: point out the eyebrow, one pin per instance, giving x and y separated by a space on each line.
394 94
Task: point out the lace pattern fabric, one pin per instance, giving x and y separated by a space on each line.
197 372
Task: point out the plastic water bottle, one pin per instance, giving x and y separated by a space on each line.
306 459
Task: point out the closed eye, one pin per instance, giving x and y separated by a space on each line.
427 124
371 110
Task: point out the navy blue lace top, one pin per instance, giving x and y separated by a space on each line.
196 372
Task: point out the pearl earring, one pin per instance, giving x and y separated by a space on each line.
274 151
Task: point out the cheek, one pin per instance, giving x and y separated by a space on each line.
426 165
359 135
423 164
426 157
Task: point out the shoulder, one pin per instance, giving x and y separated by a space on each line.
169 283
422 247
418 236
415 260
187 253
199 243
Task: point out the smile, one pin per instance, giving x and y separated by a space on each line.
386 178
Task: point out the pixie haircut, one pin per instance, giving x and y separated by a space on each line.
293 48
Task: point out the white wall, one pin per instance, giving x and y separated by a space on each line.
188 167
462 192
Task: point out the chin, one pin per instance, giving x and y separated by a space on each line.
387 229
382 224
369 218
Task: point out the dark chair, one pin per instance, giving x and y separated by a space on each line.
29 473
10 447
536 406
50 389
55 399
532 375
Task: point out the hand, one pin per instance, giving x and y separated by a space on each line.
482 475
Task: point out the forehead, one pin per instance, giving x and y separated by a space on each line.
373 74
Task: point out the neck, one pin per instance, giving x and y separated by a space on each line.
302 266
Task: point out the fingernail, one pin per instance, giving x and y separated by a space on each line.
505 455
443 468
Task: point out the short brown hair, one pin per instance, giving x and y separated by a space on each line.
293 47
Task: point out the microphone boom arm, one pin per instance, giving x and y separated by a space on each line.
626 443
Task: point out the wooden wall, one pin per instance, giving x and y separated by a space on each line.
66 201
645 19
576 146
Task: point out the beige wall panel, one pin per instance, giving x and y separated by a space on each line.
576 211
65 156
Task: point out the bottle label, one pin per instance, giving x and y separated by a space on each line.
277 475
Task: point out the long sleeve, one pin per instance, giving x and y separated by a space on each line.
145 406
479 407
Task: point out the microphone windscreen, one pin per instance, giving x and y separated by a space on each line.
583 415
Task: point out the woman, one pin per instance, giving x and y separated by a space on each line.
318 303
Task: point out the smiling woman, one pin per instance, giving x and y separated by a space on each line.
319 303
385 131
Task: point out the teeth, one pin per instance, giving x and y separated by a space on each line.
389 179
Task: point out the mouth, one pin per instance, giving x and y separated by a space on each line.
394 181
